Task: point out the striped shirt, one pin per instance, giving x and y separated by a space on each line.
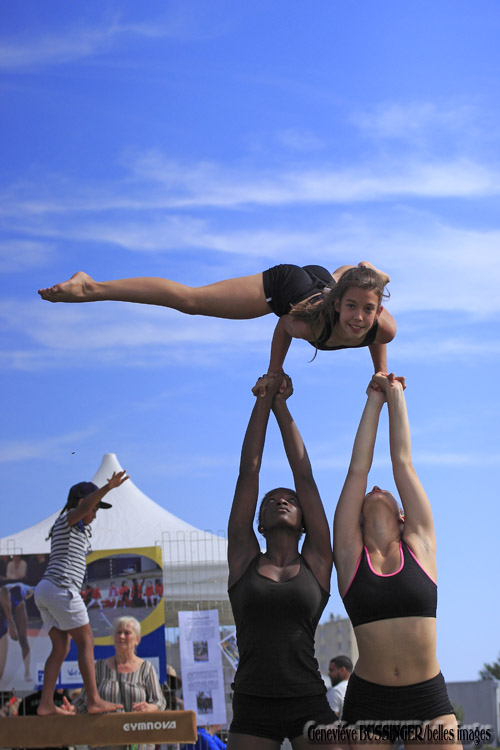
68 549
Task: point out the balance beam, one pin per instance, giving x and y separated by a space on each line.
98 729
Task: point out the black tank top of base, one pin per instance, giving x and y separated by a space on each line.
275 627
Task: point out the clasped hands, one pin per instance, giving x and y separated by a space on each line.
381 382
275 383
280 384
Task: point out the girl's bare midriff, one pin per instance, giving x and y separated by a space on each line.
400 651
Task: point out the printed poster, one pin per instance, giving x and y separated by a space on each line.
201 666
118 582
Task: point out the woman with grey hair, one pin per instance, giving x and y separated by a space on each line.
131 680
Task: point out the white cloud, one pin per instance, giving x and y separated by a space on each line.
184 20
160 234
211 184
413 121
159 182
18 255
56 336
22 450
55 48
433 265
299 140
112 334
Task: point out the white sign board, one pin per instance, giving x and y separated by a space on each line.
201 666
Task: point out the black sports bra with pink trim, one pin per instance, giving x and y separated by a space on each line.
409 592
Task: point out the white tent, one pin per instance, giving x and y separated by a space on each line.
194 561
134 521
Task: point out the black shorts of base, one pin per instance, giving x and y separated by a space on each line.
369 701
277 718
286 284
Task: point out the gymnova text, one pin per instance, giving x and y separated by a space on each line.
398 731
143 726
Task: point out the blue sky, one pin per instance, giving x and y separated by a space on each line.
201 141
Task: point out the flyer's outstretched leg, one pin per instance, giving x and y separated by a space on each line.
239 298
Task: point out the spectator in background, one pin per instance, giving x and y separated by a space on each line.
17 568
170 688
339 670
125 678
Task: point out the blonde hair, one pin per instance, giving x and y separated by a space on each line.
121 621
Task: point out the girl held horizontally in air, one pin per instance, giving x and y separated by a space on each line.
386 570
331 311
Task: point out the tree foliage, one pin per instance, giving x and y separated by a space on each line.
491 671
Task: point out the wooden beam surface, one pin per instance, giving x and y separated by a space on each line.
99 729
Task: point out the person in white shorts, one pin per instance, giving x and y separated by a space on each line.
58 596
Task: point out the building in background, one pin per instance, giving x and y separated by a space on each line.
478 707
335 637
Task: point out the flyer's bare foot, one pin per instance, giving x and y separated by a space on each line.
103 707
384 276
50 709
79 288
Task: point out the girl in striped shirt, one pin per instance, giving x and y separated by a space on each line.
58 597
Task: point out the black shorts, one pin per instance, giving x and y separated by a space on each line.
277 718
422 701
286 284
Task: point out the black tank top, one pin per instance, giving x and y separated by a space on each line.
409 592
327 332
275 626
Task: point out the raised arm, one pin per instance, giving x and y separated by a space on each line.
286 329
280 344
92 501
242 541
347 535
317 548
419 524
385 333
